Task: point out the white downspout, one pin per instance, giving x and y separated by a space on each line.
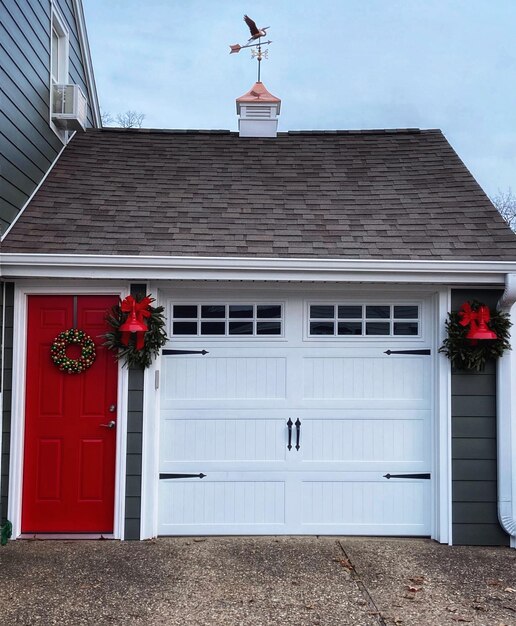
506 420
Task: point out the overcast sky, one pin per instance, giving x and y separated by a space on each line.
448 64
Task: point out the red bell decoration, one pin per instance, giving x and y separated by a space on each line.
135 321
477 321
482 331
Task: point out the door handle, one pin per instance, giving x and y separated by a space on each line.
110 424
298 432
289 426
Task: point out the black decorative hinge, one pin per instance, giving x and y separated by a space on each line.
389 352
166 476
422 476
185 352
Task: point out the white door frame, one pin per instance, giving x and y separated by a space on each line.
21 293
440 298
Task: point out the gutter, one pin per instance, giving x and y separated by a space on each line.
506 422
136 267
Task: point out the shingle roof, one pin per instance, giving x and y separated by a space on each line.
348 194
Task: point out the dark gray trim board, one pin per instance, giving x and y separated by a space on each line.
7 290
474 465
133 481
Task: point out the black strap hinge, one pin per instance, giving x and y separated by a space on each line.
420 476
167 476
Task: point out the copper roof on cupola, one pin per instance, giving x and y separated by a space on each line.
258 93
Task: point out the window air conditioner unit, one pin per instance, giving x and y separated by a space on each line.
69 107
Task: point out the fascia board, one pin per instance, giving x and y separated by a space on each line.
86 59
16 265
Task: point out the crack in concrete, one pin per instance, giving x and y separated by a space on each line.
358 581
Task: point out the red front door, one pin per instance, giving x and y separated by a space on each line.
69 458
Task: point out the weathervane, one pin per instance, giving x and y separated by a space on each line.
256 48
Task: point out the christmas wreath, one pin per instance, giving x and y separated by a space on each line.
467 353
137 330
64 362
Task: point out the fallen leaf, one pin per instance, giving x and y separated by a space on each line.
414 589
345 563
510 590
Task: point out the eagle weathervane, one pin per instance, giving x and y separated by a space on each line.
256 48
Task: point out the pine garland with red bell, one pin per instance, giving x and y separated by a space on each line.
137 330
475 335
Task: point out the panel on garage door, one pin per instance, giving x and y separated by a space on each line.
362 414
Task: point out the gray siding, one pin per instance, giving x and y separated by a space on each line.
28 143
7 336
133 484
474 472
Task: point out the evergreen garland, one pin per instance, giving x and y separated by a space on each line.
467 354
154 339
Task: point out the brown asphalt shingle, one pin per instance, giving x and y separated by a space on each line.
348 194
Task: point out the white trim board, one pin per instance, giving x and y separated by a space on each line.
29 265
18 403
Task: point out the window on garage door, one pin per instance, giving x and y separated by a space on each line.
227 320
363 320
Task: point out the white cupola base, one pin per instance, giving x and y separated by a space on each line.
258 112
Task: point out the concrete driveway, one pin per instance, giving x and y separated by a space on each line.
248 581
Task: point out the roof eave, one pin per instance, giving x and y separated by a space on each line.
22 265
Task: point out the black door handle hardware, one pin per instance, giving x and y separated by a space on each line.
185 352
389 352
423 476
289 426
298 432
166 476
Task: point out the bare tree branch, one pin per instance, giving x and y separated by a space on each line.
130 119
505 202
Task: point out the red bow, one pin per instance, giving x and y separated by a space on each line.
141 311
468 316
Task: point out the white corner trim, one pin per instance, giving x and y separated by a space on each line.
86 59
506 421
29 200
442 465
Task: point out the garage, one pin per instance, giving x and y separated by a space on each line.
306 415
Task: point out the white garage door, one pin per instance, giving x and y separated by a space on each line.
296 416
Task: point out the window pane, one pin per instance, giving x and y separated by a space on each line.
241 310
405 328
240 328
406 312
350 312
188 311
378 311
322 311
322 328
54 66
213 310
268 310
213 328
268 328
377 328
350 328
185 328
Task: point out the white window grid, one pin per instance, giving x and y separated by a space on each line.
255 320
363 319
